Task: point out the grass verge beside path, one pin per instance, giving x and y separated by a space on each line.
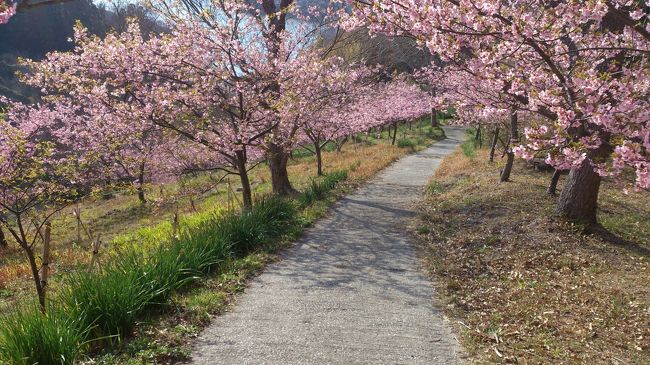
526 287
153 293
122 219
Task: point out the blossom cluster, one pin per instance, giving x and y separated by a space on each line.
7 11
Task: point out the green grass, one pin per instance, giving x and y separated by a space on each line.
318 188
469 146
269 219
407 143
29 337
434 187
106 304
204 302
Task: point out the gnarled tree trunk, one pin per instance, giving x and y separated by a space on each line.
3 239
579 197
40 290
319 157
434 117
278 159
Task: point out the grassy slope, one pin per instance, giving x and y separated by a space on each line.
122 215
527 287
163 336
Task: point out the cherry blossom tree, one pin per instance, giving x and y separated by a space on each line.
478 103
195 83
317 101
37 178
281 42
581 66
7 10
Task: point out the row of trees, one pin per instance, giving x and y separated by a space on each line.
223 89
580 67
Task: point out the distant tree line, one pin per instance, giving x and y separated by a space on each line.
35 31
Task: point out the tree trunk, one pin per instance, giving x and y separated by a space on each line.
141 196
24 243
434 118
493 147
247 196
394 134
47 257
35 276
514 138
579 197
278 159
552 188
3 239
77 215
319 158
507 169
339 144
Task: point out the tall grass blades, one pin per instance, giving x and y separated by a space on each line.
28 337
106 304
407 143
278 214
318 189
201 249
469 146
111 300
269 218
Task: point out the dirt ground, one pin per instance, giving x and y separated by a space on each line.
524 286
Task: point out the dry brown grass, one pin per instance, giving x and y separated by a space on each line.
527 287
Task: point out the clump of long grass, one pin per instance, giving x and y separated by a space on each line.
270 217
28 337
318 188
105 304
407 143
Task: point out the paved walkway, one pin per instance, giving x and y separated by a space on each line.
350 291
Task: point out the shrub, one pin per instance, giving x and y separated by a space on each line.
29 337
111 300
201 249
244 232
241 231
276 213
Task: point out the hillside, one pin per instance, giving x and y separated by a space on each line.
34 33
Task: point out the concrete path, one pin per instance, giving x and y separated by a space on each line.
350 291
